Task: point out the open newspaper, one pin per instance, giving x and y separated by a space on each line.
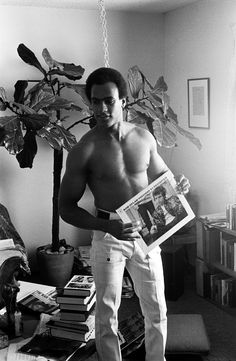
160 209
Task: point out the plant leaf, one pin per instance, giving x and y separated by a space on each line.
2 136
59 103
3 99
171 115
164 136
13 140
26 156
160 85
29 57
48 59
154 98
156 113
68 140
134 116
48 133
34 121
24 108
79 89
188 135
19 93
57 137
135 80
71 71
6 119
41 99
3 95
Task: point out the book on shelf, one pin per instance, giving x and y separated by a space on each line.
76 315
51 347
72 335
80 285
220 288
211 245
79 307
231 216
78 300
131 330
80 325
228 250
38 302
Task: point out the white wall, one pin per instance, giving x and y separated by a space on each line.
199 43
70 36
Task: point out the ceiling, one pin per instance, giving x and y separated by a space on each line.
160 6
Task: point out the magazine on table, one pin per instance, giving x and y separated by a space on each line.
160 209
80 285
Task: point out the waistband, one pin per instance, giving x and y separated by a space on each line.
100 213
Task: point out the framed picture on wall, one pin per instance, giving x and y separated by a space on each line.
198 103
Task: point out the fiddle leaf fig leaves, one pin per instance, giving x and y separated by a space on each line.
29 57
71 71
49 60
160 86
3 99
67 138
26 156
80 90
157 114
19 93
188 135
60 103
34 121
41 110
13 139
57 136
165 137
135 81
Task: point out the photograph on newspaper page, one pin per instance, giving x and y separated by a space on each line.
160 209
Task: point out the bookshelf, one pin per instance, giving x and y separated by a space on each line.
216 261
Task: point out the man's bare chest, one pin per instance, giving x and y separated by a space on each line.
111 161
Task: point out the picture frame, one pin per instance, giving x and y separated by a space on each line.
198 103
156 224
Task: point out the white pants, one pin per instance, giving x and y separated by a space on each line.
109 257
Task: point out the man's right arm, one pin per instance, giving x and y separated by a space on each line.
72 189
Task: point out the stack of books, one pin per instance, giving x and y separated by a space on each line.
75 319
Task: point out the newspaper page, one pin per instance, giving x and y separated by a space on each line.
160 209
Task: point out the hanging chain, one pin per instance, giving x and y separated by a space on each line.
101 4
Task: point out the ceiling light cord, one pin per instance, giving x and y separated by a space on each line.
102 9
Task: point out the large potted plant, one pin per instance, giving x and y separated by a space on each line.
38 110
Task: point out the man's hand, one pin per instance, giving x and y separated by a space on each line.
124 231
183 184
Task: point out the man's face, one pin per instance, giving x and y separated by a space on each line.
106 104
159 199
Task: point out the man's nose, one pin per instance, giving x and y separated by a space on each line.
104 106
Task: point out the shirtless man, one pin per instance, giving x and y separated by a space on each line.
116 160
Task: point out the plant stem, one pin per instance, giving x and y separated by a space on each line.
57 167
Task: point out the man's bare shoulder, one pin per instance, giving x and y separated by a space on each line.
82 149
143 133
